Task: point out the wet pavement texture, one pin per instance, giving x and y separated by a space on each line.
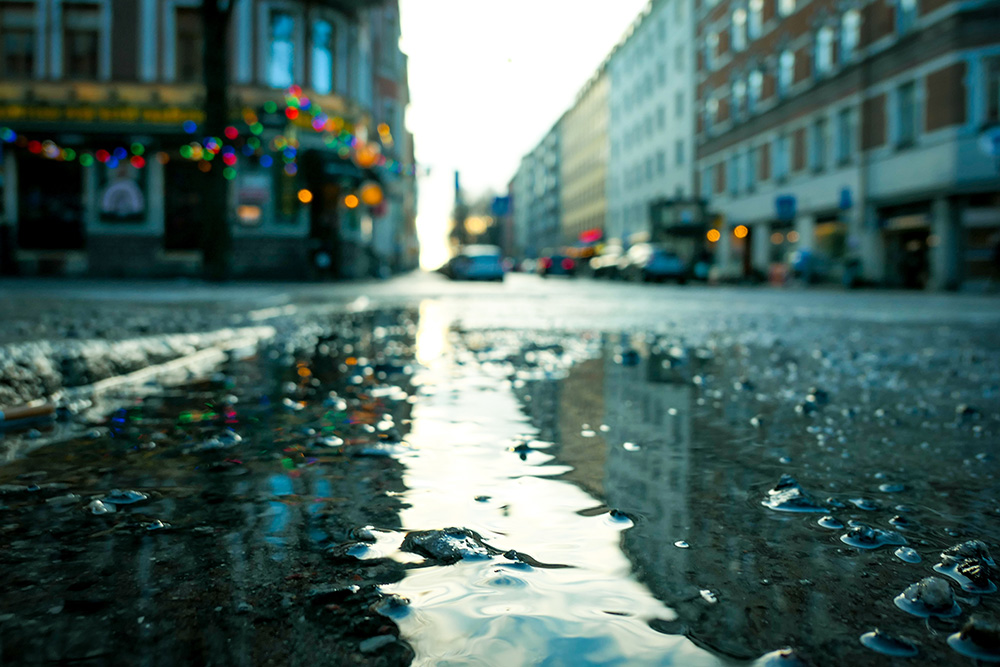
700 480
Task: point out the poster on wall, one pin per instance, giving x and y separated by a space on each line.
254 196
122 194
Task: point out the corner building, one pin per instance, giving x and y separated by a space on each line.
126 75
859 134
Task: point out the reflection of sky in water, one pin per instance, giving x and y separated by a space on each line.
486 612
279 515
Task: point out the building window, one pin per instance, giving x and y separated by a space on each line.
786 72
679 152
281 68
906 15
706 183
81 41
679 103
817 149
661 73
661 28
824 51
679 57
678 11
786 7
188 49
661 163
711 108
755 21
755 87
845 135
739 94
992 66
850 34
751 169
661 118
906 109
649 169
322 57
739 29
17 37
711 49
781 158
733 174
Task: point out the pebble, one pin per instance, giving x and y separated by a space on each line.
887 644
373 644
931 596
788 496
120 497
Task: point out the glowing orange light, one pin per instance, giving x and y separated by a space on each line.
383 128
162 157
777 238
365 156
351 361
351 201
713 235
371 194
304 372
305 196
793 237
741 232
205 166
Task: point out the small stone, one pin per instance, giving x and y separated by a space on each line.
373 644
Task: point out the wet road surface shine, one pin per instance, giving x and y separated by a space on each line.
639 461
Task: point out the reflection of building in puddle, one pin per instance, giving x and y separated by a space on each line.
648 415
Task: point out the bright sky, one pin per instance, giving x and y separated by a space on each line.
487 81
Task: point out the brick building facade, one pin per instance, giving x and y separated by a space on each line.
852 133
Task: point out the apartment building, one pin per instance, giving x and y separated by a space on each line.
584 163
852 136
652 109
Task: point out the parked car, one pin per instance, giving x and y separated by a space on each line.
557 264
649 262
477 262
608 263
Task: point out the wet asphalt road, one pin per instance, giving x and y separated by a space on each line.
607 450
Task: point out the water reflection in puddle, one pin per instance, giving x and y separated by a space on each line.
495 611
664 518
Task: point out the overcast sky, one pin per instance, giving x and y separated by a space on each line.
487 80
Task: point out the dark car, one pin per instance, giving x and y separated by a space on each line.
557 264
649 262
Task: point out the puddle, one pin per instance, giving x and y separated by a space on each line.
489 610
701 495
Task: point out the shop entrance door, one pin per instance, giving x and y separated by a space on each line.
185 191
50 204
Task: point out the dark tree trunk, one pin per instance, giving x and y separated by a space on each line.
217 239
